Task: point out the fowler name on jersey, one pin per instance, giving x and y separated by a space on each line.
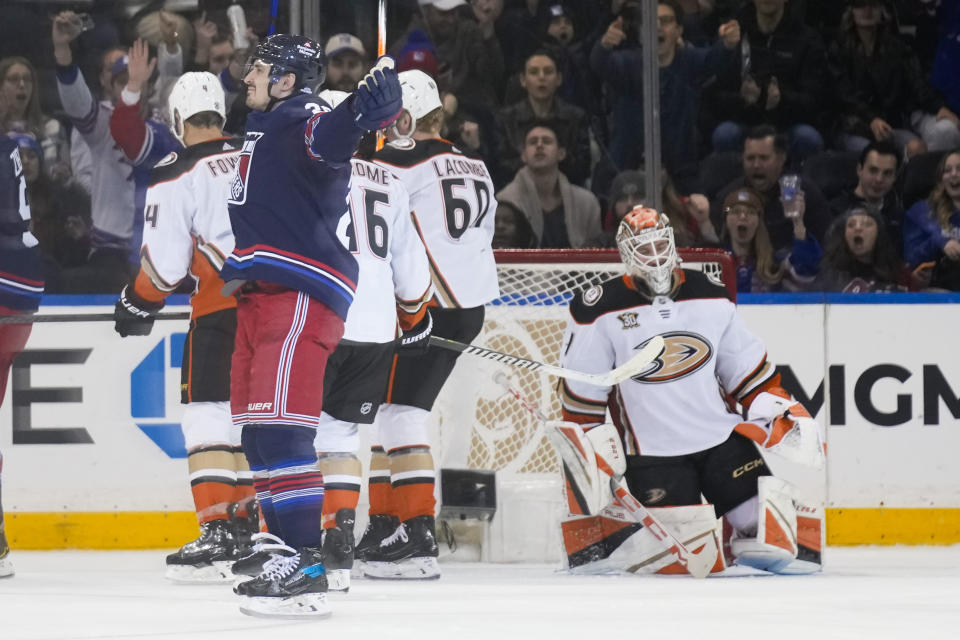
677 405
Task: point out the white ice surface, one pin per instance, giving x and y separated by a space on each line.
867 592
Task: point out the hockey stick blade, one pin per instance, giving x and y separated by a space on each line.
82 317
630 368
697 564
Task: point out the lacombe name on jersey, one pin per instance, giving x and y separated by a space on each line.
449 166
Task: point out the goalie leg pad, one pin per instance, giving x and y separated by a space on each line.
584 486
590 459
611 543
777 546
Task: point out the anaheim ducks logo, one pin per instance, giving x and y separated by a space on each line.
683 354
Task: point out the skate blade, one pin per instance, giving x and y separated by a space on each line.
409 569
6 568
308 605
216 573
338 580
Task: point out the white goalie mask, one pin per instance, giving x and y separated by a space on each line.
420 97
194 92
647 248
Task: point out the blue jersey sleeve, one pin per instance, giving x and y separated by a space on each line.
333 136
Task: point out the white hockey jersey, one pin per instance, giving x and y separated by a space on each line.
678 404
453 202
394 274
186 226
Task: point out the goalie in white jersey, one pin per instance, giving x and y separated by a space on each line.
186 233
678 417
451 195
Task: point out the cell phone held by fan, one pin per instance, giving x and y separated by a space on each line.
632 15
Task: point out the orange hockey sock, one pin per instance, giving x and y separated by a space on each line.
412 478
213 480
378 483
341 477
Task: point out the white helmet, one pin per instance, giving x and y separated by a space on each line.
647 248
194 92
420 97
333 97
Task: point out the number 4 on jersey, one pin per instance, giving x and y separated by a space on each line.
150 215
458 212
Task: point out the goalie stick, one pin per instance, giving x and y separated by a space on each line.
82 317
630 368
698 564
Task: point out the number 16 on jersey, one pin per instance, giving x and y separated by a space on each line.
364 223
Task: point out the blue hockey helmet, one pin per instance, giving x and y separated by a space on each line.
298 55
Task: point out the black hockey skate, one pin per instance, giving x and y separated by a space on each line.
265 546
289 587
208 558
244 528
410 553
338 545
380 527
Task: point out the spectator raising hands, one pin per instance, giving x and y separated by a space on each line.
205 31
139 67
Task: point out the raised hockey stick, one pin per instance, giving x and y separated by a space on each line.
698 564
82 317
381 50
630 368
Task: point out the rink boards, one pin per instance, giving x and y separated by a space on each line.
93 456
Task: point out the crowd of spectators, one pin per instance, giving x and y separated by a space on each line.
815 140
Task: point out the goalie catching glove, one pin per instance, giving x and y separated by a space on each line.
134 316
783 427
378 100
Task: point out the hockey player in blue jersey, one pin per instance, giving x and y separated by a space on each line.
21 281
296 282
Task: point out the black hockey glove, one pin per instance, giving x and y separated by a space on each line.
417 339
378 99
133 316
